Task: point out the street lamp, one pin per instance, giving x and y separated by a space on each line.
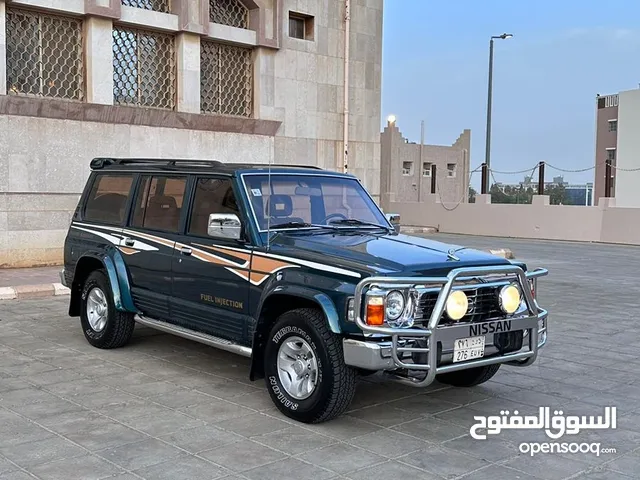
504 36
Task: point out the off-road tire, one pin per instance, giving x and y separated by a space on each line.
120 325
336 381
470 377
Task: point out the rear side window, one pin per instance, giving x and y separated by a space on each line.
107 200
159 202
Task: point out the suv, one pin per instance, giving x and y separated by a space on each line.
296 268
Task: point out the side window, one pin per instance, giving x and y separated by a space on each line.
213 195
159 203
107 200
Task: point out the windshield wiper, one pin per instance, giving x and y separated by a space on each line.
298 225
355 221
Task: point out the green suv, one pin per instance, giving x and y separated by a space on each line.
296 268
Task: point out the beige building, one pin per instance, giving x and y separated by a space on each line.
231 80
408 168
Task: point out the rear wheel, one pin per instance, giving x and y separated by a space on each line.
304 368
103 325
470 377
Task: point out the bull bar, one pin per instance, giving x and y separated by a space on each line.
384 355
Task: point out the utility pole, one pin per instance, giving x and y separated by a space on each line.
504 36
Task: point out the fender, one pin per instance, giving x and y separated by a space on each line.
324 302
119 279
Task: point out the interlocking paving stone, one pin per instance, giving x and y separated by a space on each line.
41 451
242 456
164 407
183 466
84 467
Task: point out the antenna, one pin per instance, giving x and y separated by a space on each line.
269 204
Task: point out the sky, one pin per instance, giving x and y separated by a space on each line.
545 78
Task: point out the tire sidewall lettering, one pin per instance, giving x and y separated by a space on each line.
274 383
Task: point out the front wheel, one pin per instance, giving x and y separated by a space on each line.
103 325
469 377
304 368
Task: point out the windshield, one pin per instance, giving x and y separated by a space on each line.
295 201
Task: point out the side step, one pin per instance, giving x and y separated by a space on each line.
200 337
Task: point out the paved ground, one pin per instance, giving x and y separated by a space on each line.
166 408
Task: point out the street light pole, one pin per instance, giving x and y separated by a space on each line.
504 36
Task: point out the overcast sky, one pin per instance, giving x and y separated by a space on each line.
563 53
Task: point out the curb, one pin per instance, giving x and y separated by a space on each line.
26 292
409 229
503 252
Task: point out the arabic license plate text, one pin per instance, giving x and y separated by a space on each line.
468 348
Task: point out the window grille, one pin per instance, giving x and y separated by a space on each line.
229 12
143 68
44 55
155 5
226 80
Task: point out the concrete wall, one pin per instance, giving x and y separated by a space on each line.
298 87
402 187
603 223
628 152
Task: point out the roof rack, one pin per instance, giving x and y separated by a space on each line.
101 162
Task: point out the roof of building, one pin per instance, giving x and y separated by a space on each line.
191 165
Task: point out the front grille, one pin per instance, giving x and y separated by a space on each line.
483 306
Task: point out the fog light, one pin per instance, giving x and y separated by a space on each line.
457 305
509 298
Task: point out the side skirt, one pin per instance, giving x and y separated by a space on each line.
210 340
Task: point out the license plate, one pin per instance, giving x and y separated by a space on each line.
468 348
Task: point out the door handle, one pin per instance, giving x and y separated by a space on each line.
129 242
185 251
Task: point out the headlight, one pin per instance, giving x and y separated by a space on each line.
457 305
509 298
394 305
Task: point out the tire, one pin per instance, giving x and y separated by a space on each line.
335 382
113 329
470 377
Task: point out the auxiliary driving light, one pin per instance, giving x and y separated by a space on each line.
457 305
509 298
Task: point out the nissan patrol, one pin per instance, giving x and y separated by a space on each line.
296 268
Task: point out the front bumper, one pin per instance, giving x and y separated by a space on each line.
63 279
385 348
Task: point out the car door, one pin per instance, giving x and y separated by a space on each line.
211 274
149 241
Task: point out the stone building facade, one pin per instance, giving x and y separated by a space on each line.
230 80
407 168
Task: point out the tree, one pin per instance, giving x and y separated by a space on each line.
472 194
557 194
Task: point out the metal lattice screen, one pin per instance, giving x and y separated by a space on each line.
229 12
155 5
143 68
226 80
44 55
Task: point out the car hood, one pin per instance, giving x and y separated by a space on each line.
381 254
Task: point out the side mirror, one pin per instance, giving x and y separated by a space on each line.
394 219
224 225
